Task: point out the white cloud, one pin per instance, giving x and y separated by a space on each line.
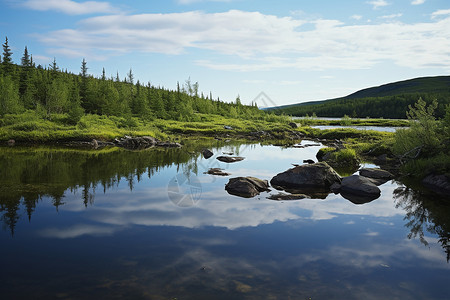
439 13
393 16
356 17
378 3
77 231
418 2
261 42
70 7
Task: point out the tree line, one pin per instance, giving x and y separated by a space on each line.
49 90
388 107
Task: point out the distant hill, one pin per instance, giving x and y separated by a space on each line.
387 101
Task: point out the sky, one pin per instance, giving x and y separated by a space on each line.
268 52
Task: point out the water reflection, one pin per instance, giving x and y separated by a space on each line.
29 174
425 213
118 234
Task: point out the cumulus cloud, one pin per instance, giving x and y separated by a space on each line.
378 3
356 17
70 7
263 42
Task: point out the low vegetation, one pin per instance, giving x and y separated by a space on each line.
424 147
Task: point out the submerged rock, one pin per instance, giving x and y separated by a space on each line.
359 186
230 159
281 196
207 153
140 142
317 175
217 171
168 144
246 186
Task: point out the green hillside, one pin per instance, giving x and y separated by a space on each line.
385 101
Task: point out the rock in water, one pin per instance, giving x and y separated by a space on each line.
318 175
359 186
246 186
281 197
230 159
376 173
207 153
217 171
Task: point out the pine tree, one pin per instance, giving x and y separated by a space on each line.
130 77
54 69
84 85
27 67
7 63
75 109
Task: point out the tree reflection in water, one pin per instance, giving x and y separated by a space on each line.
425 213
30 174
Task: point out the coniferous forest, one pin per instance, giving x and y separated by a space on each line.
49 90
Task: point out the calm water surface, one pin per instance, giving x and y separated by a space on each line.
376 128
113 224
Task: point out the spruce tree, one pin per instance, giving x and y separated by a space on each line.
75 109
130 77
54 69
25 73
84 85
7 63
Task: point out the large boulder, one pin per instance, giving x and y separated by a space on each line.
318 175
246 186
360 187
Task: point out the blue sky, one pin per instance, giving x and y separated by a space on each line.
293 51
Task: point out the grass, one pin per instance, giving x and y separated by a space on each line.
28 127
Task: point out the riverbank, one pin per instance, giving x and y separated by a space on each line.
28 128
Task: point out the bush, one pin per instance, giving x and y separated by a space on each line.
423 133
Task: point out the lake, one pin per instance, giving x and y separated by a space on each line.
376 128
112 223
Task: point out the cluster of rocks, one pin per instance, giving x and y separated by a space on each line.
143 142
304 181
126 142
311 179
